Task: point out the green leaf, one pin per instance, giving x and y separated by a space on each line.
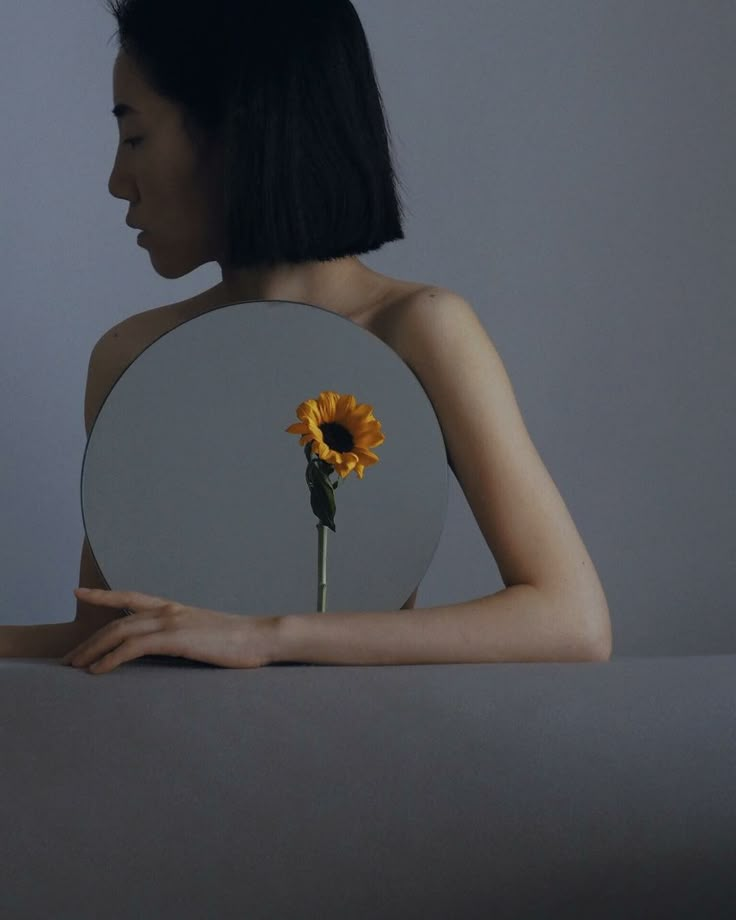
321 491
322 500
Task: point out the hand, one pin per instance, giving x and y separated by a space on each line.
162 627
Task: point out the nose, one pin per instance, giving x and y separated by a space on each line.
116 185
115 189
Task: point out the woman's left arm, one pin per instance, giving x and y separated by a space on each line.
553 607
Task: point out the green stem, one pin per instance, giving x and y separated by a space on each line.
322 569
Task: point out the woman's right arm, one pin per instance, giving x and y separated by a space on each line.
47 640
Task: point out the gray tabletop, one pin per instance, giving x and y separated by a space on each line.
172 788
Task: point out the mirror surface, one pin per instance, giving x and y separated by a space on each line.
192 489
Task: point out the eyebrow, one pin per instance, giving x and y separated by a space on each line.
122 109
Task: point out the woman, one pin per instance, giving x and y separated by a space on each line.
253 134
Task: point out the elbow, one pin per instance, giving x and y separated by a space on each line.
601 652
600 635
587 649
584 651
606 650
580 607
590 626
592 620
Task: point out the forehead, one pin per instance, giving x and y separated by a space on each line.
126 76
130 90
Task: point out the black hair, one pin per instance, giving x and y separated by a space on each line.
288 88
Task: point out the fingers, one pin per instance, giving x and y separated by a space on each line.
117 598
100 595
103 638
114 644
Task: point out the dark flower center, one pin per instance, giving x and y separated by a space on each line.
337 437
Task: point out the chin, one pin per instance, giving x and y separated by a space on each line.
172 271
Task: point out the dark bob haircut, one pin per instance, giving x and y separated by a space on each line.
289 90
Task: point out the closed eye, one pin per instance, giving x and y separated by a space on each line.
133 141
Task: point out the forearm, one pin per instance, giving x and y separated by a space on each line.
516 624
48 640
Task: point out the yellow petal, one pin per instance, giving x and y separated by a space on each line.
309 408
324 451
328 402
362 414
345 406
369 433
307 414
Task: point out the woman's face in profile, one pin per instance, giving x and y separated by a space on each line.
170 188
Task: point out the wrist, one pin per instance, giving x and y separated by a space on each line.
274 628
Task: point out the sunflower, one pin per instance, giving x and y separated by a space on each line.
340 430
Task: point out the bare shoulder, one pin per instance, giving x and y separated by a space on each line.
117 348
136 332
439 335
425 315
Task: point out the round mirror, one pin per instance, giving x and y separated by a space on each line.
192 489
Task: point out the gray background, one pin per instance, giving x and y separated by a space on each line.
569 170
